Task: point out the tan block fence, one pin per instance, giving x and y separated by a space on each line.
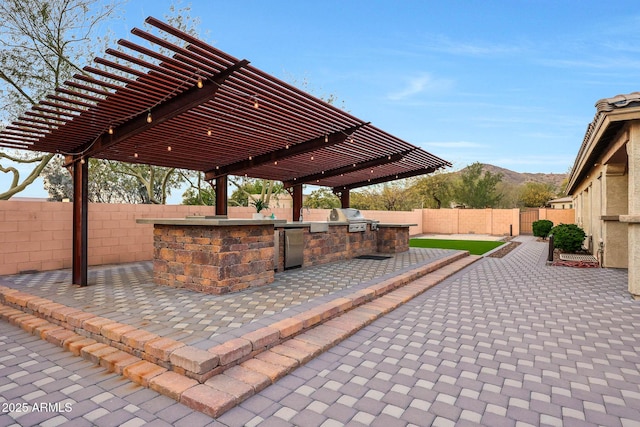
36 236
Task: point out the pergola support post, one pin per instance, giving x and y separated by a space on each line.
221 195
80 221
297 201
345 199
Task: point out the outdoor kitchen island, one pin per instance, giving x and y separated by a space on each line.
219 255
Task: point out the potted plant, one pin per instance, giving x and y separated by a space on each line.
260 205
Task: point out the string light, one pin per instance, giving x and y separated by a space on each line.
311 157
250 157
275 163
135 154
209 132
82 160
255 102
110 131
286 146
168 148
326 138
149 118
200 83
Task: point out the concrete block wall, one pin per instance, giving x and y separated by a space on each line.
471 221
36 236
558 216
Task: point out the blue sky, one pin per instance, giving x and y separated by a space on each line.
511 83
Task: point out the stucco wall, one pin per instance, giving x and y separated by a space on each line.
599 200
36 236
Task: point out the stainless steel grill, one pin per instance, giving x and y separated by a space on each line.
353 217
346 215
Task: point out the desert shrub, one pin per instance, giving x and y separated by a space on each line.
568 237
541 228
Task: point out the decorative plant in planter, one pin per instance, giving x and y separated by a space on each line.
260 205
568 237
541 228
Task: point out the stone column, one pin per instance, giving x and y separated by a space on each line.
633 217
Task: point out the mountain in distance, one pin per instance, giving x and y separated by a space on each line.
519 178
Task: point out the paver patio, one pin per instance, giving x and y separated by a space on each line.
507 341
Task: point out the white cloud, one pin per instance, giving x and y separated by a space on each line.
419 84
444 44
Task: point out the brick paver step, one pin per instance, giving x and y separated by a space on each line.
247 364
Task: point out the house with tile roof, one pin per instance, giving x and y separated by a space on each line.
605 185
561 203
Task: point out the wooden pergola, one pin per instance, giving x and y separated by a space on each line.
172 100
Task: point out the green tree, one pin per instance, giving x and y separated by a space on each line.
510 195
365 199
261 189
112 182
435 191
200 192
536 194
322 198
477 190
42 44
392 196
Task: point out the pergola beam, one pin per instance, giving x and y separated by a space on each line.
180 104
384 179
283 153
347 169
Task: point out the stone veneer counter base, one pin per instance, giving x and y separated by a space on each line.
214 256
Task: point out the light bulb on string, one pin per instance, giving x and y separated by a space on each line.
110 131
311 157
168 148
209 132
200 83
135 154
255 102
326 138
149 118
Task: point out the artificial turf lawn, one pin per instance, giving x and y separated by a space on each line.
475 247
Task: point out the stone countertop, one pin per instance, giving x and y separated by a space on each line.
226 222
217 222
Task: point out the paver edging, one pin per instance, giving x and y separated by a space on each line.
263 360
